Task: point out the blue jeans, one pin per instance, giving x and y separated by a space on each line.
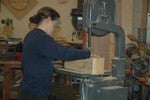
27 95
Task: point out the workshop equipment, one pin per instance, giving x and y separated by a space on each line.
98 19
129 65
7 44
137 69
8 48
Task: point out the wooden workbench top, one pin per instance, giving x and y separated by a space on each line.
10 62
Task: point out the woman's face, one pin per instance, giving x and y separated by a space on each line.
50 26
53 25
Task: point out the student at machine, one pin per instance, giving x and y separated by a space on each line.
39 53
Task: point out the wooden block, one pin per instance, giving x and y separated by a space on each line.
94 65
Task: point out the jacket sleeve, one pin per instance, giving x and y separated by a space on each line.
55 50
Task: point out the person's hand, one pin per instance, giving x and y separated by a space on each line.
93 54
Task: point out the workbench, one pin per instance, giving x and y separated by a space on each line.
9 69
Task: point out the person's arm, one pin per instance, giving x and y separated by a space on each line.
57 51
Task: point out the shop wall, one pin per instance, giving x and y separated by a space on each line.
21 25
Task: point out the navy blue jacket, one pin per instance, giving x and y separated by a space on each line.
39 53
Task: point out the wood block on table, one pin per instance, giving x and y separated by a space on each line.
94 65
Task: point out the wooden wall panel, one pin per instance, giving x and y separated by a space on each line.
104 47
80 3
0 5
145 7
148 5
118 11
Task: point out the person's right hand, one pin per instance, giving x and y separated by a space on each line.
94 55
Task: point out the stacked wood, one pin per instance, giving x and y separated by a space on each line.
61 40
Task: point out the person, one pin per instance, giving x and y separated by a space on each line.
40 51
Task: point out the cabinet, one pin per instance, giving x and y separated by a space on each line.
9 77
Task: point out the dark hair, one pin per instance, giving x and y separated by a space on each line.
43 13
